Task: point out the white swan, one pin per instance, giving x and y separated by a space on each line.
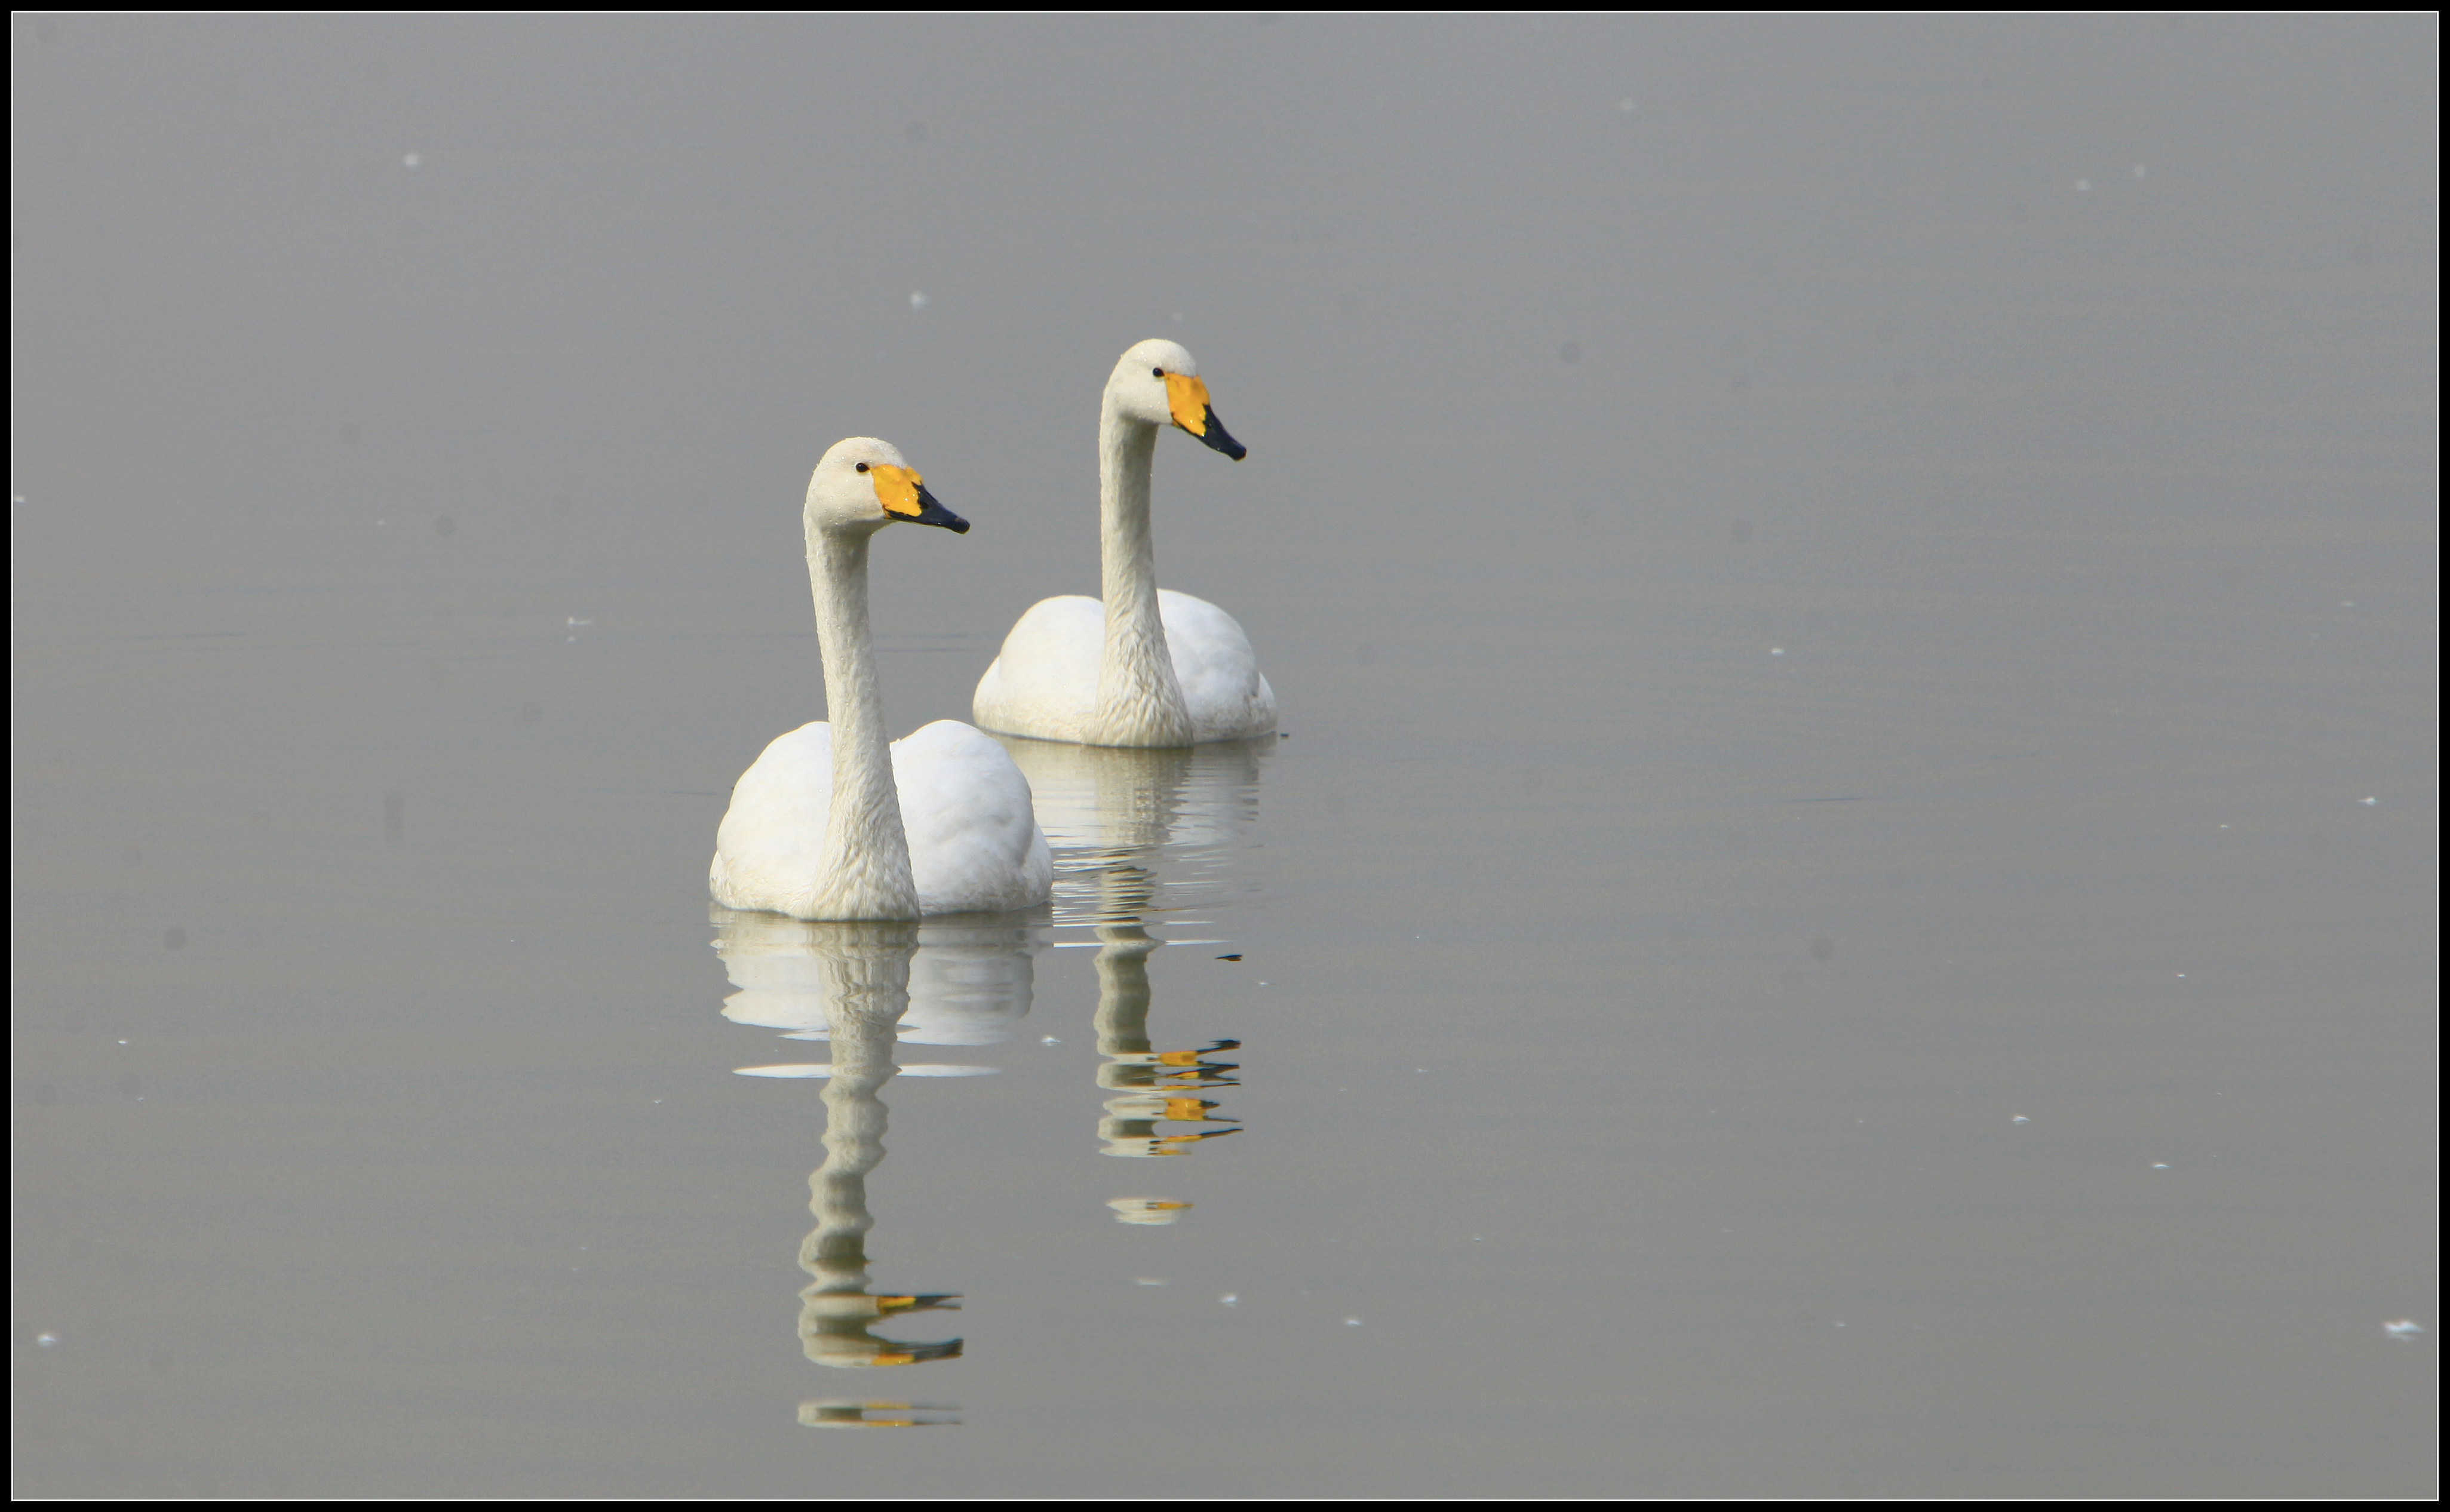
1148 666
937 822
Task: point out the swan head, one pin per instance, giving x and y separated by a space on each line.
863 484
1157 384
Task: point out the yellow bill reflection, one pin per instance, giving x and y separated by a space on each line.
861 989
1119 820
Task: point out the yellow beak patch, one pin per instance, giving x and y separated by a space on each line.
1188 398
897 489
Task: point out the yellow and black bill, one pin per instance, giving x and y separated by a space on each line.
904 495
1187 396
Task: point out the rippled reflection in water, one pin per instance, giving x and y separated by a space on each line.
1142 837
1848 912
862 988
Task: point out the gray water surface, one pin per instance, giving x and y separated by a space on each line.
1846 908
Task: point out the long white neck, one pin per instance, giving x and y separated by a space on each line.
865 864
1138 701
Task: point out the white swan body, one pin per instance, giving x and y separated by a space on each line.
973 836
1045 684
1144 666
832 823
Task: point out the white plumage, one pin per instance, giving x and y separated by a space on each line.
966 817
1144 666
832 823
1045 685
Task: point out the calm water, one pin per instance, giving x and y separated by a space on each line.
1847 906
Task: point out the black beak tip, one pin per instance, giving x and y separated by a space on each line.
1219 439
931 513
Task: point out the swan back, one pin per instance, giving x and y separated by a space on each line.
768 851
967 817
975 844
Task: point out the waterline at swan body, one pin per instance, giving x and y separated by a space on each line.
1045 684
965 810
1144 666
831 821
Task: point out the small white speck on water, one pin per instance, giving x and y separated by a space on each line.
48 1341
2181 976
2397 1329
2348 602
123 1042
1148 1281
2139 170
2224 826
918 300
2084 186
2020 1118
1478 1239
411 160
1231 1299
2160 1165
1778 650
1048 1039
1838 1324
2369 801
1626 104
1352 1323
657 1099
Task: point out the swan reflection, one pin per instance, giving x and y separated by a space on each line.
1143 837
835 1412
967 979
862 988
1197 811
1158 1086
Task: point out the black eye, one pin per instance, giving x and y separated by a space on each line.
1156 372
863 467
